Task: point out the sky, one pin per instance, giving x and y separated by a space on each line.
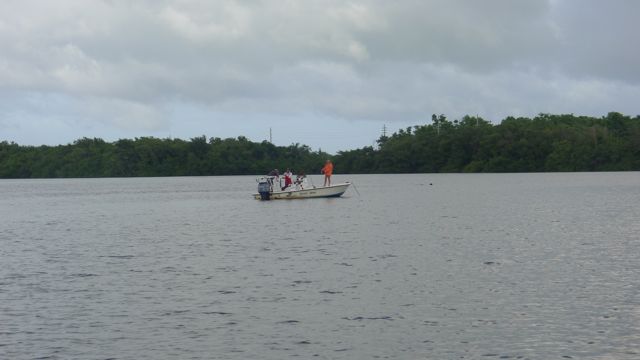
329 74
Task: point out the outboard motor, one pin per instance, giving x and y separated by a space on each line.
264 188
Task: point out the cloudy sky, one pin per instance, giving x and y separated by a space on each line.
328 74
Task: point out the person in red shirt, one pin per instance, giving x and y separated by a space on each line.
327 170
287 179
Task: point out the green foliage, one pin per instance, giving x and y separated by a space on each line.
148 156
472 144
545 143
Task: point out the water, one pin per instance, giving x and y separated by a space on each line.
536 266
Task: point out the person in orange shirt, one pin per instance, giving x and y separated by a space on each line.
327 170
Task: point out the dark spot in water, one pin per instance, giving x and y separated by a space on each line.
338 350
360 318
489 355
226 292
330 292
83 275
176 312
489 263
483 322
216 313
304 342
298 282
289 322
345 264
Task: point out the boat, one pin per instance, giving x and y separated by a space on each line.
268 189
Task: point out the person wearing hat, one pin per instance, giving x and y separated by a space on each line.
273 174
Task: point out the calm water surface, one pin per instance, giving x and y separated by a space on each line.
536 266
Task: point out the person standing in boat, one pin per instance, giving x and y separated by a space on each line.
300 180
327 170
273 174
287 179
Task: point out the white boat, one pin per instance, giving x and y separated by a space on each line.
268 189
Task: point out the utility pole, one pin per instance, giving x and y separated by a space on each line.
383 138
270 136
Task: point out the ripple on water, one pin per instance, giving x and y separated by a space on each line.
482 266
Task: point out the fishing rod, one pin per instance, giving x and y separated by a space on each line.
356 189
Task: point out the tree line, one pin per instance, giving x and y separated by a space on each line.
149 156
545 143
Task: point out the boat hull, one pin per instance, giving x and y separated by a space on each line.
315 192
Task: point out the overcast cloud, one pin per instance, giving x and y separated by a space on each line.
324 73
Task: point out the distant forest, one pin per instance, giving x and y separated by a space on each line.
546 143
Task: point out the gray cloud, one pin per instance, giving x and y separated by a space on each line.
597 39
359 60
